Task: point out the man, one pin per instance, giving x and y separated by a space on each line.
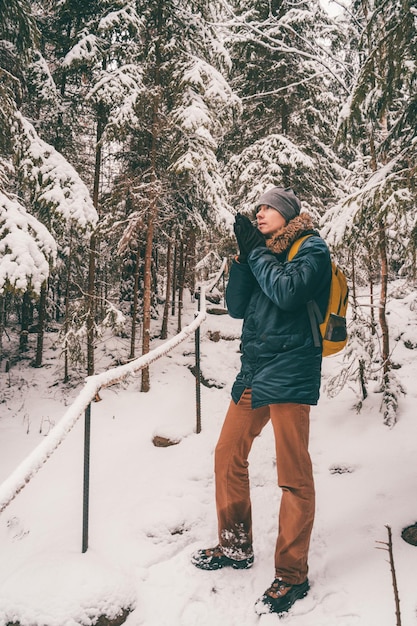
279 379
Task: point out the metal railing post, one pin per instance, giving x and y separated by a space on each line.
86 481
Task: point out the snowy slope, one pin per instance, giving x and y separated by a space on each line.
151 507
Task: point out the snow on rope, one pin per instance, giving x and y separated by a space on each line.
38 457
217 277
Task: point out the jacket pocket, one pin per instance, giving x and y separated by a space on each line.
274 343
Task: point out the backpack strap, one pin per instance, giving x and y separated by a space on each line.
316 319
313 310
296 246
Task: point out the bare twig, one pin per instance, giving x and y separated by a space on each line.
389 549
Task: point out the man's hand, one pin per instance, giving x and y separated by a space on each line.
248 237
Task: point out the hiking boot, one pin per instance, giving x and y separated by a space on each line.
214 558
280 596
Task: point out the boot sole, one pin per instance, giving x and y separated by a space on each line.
266 604
219 563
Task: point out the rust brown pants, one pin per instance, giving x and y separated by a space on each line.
295 478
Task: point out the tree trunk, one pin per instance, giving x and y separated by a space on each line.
186 251
353 281
191 260
153 205
25 321
371 280
67 310
413 246
135 304
2 308
181 278
174 278
362 379
147 289
164 329
91 308
41 324
383 298
91 297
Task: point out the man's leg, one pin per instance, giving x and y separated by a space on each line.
241 425
295 477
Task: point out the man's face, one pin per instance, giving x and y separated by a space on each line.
269 220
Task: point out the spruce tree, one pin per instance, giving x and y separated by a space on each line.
378 127
172 173
287 72
90 49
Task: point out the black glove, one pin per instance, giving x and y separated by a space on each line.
248 237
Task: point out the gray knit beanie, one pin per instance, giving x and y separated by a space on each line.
283 200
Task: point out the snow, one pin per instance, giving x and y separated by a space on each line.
265 161
55 183
151 507
204 78
85 50
26 248
118 89
121 20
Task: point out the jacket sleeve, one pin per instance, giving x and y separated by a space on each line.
239 289
292 284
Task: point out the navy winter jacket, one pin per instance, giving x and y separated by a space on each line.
279 361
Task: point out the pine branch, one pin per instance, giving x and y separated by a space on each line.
271 43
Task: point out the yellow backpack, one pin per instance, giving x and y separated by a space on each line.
333 326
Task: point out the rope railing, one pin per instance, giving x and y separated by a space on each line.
22 475
218 276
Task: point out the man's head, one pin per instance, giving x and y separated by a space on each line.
283 200
275 208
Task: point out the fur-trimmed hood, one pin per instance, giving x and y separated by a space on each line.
281 240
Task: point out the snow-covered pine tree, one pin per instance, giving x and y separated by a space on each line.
377 122
54 191
172 173
26 246
27 250
91 51
17 34
287 71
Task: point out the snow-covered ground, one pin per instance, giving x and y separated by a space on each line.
151 507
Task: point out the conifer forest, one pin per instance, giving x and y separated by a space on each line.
132 131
